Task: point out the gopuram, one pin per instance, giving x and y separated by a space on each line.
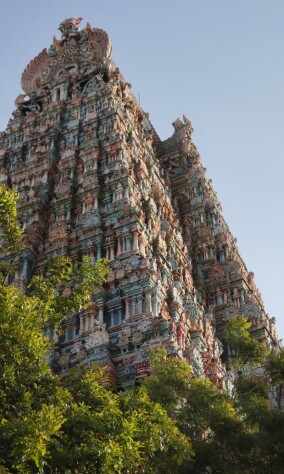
95 179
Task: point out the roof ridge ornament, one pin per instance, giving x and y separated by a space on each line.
88 52
69 27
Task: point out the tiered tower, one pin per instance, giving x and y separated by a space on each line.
95 179
224 285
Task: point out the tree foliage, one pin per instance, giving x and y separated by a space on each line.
11 233
247 350
67 288
243 433
115 433
32 399
72 425
172 423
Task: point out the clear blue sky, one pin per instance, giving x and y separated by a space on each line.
219 62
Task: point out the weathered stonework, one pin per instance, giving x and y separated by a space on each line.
95 179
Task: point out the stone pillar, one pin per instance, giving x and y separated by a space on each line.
100 312
63 95
225 297
135 241
111 257
139 304
82 324
25 267
127 308
119 316
119 193
92 320
148 294
68 214
158 307
128 243
205 253
133 305
154 304
236 297
54 95
142 246
111 318
123 244
118 246
99 252
87 322
219 297
222 257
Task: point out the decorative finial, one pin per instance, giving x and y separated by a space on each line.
177 124
69 54
186 120
70 26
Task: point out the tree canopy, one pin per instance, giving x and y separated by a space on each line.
53 425
173 422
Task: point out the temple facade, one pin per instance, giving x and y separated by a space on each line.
95 179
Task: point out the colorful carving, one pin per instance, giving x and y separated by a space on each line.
96 180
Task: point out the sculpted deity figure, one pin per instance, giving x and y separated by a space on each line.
70 26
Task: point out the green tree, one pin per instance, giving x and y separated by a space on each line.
169 382
235 434
263 421
203 413
254 399
71 425
105 432
247 349
172 423
31 399
66 288
274 369
11 235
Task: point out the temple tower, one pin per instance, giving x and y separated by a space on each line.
224 285
95 179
